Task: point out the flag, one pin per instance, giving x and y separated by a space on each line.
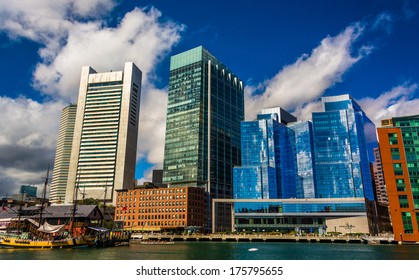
124 208
3 208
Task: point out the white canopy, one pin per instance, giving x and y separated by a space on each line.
4 223
47 228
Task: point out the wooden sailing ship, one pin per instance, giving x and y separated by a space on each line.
29 233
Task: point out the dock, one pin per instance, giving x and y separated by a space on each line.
268 238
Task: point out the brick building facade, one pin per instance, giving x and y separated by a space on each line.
152 208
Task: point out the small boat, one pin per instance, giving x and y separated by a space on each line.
136 236
253 249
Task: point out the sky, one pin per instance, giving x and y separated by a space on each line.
288 53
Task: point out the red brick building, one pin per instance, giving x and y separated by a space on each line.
398 147
151 208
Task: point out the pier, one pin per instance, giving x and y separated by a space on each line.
268 238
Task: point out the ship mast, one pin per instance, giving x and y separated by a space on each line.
73 214
44 194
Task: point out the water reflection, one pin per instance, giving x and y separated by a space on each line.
222 251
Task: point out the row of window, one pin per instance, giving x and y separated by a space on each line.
162 217
158 191
153 198
160 223
153 210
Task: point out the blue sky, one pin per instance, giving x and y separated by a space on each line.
288 53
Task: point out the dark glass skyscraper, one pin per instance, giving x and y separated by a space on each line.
205 107
342 136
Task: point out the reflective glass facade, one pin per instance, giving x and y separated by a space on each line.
316 207
341 145
254 182
299 215
268 160
287 168
205 107
304 147
306 176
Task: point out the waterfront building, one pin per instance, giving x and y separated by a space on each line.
304 152
398 138
299 216
335 147
380 184
202 144
343 135
268 158
63 154
103 155
161 209
86 215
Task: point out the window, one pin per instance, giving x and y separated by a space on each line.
392 137
404 203
407 222
397 169
395 154
400 184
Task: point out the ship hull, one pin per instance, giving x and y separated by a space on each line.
12 242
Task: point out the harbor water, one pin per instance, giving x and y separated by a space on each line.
221 251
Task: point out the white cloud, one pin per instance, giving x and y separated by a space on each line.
139 38
153 126
148 174
384 21
73 33
29 123
305 81
398 101
47 22
27 142
303 113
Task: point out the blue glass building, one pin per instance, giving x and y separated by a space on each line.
304 147
342 133
306 176
329 158
268 159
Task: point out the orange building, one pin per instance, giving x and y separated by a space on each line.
151 208
398 144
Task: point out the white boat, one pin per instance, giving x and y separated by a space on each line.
136 236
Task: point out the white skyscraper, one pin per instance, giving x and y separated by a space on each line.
104 147
62 155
